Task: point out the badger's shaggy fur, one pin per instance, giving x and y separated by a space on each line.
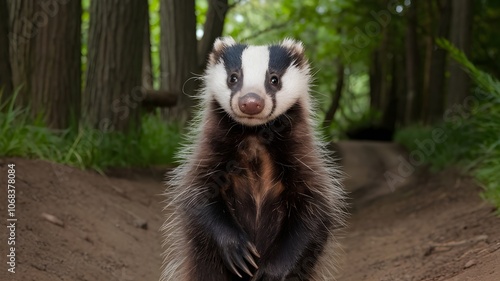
256 196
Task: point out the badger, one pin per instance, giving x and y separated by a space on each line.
256 195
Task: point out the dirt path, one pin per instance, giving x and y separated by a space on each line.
428 227
424 228
103 237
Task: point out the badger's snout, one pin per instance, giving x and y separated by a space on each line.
251 104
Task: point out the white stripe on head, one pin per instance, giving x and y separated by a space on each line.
255 62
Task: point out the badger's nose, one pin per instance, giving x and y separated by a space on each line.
251 104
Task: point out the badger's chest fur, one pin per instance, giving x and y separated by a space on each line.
256 196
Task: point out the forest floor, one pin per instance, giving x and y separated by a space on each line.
80 225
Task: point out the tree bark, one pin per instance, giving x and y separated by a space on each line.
45 50
384 66
5 70
375 81
178 54
460 36
412 66
429 46
390 115
437 74
147 69
378 75
400 87
214 25
113 91
330 114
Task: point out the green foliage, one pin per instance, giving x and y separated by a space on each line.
85 37
154 145
486 42
471 130
155 31
24 136
162 140
454 150
484 80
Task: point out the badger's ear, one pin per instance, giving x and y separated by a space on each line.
296 49
219 45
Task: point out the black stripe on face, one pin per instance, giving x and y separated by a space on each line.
280 60
232 58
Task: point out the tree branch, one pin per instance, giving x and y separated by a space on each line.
265 30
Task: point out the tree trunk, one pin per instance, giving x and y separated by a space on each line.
213 28
45 50
330 114
429 35
412 66
115 55
147 69
375 81
5 71
460 36
400 87
437 91
390 114
378 75
383 67
178 54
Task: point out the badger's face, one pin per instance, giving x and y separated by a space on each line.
255 84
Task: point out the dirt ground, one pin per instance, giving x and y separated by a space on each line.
80 225
429 227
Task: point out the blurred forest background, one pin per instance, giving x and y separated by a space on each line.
105 83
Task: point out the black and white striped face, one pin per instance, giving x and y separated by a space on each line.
255 84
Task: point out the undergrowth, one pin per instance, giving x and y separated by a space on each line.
24 136
471 139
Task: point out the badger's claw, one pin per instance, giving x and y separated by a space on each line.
248 257
236 255
241 264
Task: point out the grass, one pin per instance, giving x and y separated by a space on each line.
24 136
472 141
85 148
154 145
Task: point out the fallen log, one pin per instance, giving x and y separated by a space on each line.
159 98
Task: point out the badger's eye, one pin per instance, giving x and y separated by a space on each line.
233 79
274 80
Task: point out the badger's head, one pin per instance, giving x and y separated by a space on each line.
255 84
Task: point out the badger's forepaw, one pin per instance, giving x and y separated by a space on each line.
238 254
